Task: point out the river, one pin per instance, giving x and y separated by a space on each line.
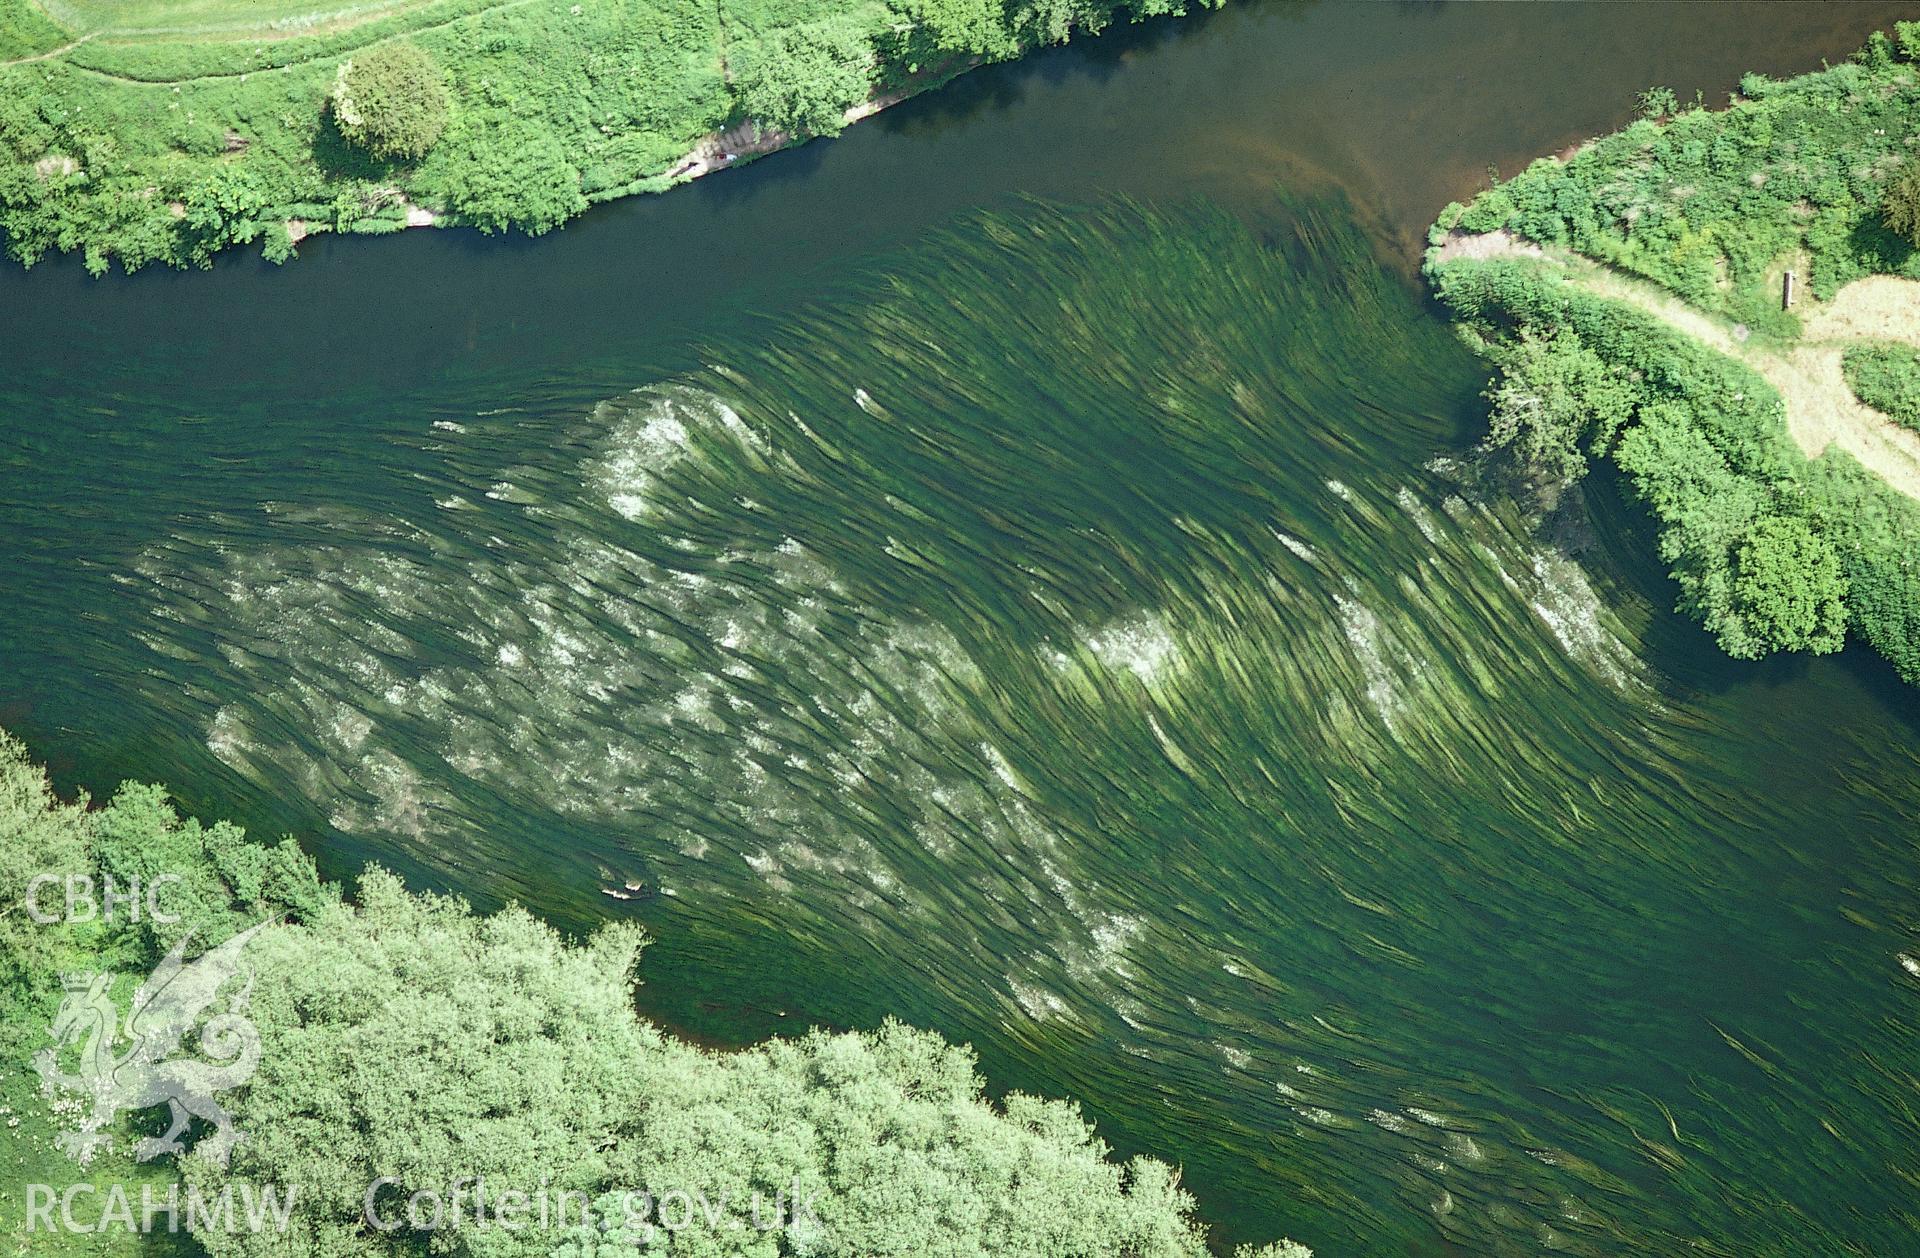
1015 567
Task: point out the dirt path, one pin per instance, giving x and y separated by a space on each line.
1821 409
50 53
1878 308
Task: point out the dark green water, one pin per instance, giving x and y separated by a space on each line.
1071 629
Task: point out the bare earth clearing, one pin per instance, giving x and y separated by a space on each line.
1821 409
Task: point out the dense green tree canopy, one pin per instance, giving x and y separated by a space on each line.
1789 587
526 179
957 26
35 840
1701 438
422 1064
1555 398
805 78
391 100
1900 203
408 1040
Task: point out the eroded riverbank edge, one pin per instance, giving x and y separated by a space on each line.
728 149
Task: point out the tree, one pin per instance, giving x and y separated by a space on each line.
1656 103
223 208
504 170
1900 203
1052 21
1907 36
431 1078
1554 396
390 100
943 28
411 1044
1789 587
805 78
37 838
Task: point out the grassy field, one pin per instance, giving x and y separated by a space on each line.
140 131
1885 375
212 18
29 1157
25 30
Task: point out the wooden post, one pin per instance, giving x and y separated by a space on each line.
1786 292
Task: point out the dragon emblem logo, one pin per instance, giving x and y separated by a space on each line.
139 1065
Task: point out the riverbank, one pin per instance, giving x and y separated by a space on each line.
309 414
722 150
132 142
1821 410
493 1015
1635 296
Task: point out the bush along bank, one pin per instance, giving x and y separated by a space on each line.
130 140
1770 550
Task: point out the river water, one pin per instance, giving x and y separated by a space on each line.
1014 567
